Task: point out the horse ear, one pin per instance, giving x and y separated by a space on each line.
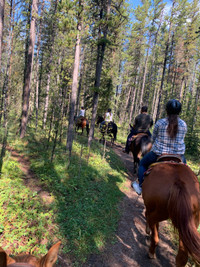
50 258
5 259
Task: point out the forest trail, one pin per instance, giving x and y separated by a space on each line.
131 247
30 179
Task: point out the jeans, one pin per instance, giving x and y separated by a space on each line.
147 160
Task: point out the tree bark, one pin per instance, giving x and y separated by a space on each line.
70 132
48 67
100 56
37 67
28 71
2 7
165 62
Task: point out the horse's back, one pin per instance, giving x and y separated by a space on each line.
157 185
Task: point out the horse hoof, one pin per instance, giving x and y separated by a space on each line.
152 256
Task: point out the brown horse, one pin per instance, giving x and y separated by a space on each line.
28 260
82 123
171 191
140 145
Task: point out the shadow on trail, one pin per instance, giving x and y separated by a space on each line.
131 247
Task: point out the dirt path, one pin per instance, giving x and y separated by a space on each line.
131 247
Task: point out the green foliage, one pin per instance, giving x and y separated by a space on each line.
84 213
23 218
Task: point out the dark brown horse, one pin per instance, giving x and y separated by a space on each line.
28 260
140 145
82 123
171 191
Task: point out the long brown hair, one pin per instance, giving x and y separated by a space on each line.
172 128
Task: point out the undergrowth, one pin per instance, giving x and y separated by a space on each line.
84 213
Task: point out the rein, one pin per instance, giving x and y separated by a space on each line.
20 264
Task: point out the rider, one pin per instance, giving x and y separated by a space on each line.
142 124
108 117
82 112
168 138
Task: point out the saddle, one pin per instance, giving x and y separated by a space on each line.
169 158
136 135
165 158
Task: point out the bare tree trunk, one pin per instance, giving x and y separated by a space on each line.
37 67
100 56
5 90
70 132
28 72
124 111
2 7
48 67
145 73
132 106
80 80
165 61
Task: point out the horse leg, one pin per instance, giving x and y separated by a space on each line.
148 230
136 163
182 256
154 237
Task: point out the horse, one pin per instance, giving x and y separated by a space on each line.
110 129
171 191
29 260
82 123
139 146
100 119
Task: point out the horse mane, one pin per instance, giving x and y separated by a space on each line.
24 258
181 214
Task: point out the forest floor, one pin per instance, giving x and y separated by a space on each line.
131 246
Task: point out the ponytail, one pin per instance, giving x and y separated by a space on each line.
172 128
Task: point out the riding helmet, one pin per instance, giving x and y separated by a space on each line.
173 107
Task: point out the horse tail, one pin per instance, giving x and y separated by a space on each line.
181 214
115 131
87 127
146 144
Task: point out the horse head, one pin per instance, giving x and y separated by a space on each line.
99 119
29 260
140 145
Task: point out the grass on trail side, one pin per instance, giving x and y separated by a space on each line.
84 213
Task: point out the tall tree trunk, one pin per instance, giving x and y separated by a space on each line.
49 67
5 90
37 67
80 80
100 56
145 73
28 72
70 132
165 62
2 7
